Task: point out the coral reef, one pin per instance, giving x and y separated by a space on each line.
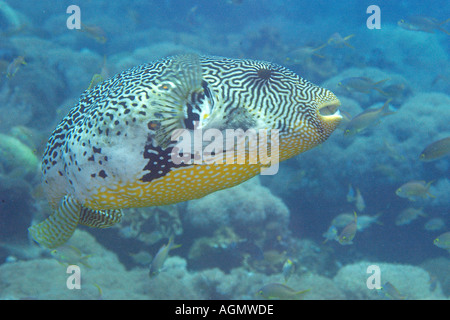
439 270
150 225
16 208
411 281
17 159
12 19
250 209
106 278
243 284
19 171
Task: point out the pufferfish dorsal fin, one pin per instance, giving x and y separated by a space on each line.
59 226
171 92
100 218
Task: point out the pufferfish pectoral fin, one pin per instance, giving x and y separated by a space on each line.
100 218
59 226
172 92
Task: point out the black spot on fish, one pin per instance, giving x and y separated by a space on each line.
97 150
159 161
192 116
206 89
102 174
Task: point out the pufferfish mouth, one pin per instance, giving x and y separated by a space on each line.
329 112
329 108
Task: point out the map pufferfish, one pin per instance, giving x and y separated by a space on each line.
114 148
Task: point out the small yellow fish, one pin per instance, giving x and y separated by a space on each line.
350 194
415 189
14 66
336 40
392 151
434 224
70 255
362 84
191 16
288 269
280 291
346 118
348 233
303 54
409 215
359 201
343 219
436 150
443 241
389 292
422 23
357 198
397 90
365 221
100 291
160 258
95 32
367 118
330 234
96 79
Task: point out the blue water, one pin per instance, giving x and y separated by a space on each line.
311 188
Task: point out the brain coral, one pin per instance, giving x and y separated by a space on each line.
249 205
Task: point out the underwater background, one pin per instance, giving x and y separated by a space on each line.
277 229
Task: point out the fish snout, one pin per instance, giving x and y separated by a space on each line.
329 115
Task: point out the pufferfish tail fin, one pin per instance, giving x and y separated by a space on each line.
100 218
59 226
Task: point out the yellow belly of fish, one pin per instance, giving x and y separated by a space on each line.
182 184
187 183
